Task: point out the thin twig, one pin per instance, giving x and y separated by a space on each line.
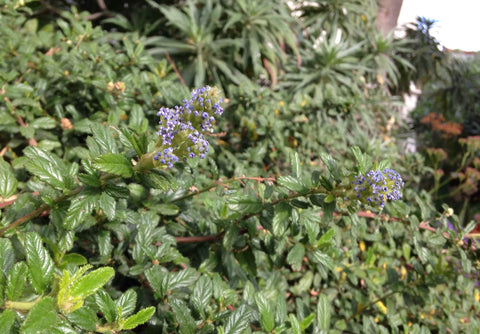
175 69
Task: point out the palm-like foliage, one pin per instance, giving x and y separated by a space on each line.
203 51
263 27
330 70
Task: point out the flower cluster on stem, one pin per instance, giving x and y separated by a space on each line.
376 187
183 129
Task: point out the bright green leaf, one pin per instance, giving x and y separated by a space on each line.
127 302
266 312
106 305
7 319
16 280
139 318
91 282
84 317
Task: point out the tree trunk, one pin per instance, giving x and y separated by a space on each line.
387 15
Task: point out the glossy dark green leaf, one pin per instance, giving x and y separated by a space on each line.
244 203
202 292
281 218
295 256
364 162
331 165
102 141
323 259
42 318
112 163
108 205
80 207
84 317
127 302
292 183
183 317
266 312
7 255
238 321
16 280
8 182
46 167
40 264
106 305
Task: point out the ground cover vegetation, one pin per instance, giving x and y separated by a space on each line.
233 167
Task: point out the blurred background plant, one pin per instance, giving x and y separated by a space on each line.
237 243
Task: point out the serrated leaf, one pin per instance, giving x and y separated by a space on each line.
127 301
294 324
106 305
16 280
7 256
74 258
90 283
244 203
39 262
324 310
80 207
267 316
8 182
183 317
292 183
281 218
166 209
7 319
139 318
323 259
295 256
46 166
296 168
155 180
112 163
307 321
364 162
103 138
326 239
84 317
43 123
331 165
238 321
42 318
202 292
117 191
108 205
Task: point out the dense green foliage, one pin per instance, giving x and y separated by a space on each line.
267 233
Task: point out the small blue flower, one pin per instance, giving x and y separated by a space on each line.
376 187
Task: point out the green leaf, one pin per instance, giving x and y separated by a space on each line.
139 318
46 166
80 207
43 123
16 281
106 305
8 182
323 259
7 255
84 317
7 319
127 302
324 310
238 321
166 209
184 318
202 292
42 318
40 264
294 324
281 218
108 205
91 282
116 164
266 312
326 239
155 180
331 165
295 256
306 322
102 141
364 162
296 168
244 203
74 258
292 183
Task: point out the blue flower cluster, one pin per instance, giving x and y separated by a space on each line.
183 128
378 186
